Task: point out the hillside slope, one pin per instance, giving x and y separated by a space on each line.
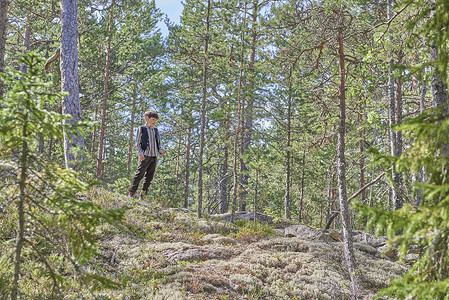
161 253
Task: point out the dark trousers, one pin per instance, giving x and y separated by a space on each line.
145 168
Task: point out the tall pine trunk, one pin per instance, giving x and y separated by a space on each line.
362 165
223 168
287 154
397 198
105 96
248 116
26 42
420 176
203 116
439 87
69 75
94 131
3 29
239 122
301 197
187 168
341 174
131 131
439 94
395 195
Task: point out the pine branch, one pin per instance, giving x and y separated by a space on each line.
335 214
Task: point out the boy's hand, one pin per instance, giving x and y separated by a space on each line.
161 153
142 157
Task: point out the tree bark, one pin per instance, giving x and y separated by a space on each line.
178 156
105 96
256 195
439 93
439 87
3 29
395 196
341 174
239 122
248 115
397 177
420 175
203 116
287 154
223 169
301 198
26 43
361 151
69 75
131 132
187 168
94 132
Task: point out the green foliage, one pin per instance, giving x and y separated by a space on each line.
59 223
432 21
424 227
250 230
121 185
135 47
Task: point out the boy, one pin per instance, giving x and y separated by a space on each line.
148 145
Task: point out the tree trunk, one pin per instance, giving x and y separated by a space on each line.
439 93
131 132
223 169
248 118
223 185
331 189
26 43
178 157
203 116
256 195
301 199
3 29
420 175
187 168
341 175
105 96
439 88
94 132
287 154
397 198
69 75
239 122
362 172
361 151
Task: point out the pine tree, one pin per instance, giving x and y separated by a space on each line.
423 224
69 75
3 29
53 219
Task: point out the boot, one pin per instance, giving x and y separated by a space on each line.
143 195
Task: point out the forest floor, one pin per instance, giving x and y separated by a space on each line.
167 253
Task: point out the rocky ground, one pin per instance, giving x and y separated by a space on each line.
159 253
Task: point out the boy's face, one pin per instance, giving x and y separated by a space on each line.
151 121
